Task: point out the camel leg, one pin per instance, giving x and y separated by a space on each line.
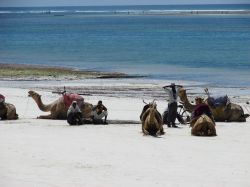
45 117
158 133
142 125
145 132
196 130
211 130
52 115
160 130
160 126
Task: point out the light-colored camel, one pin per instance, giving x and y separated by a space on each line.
58 109
8 111
203 126
152 123
230 113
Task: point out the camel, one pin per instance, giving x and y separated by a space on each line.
152 123
58 108
8 111
203 126
230 113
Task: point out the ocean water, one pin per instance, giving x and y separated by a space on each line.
162 42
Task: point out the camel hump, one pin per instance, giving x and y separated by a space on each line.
68 98
205 118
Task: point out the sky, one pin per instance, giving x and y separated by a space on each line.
24 3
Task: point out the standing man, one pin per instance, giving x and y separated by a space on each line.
74 114
98 112
172 91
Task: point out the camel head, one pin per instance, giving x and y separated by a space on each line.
182 94
152 104
34 95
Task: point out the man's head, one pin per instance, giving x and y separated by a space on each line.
172 84
198 100
99 102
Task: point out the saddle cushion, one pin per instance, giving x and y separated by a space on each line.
218 101
68 98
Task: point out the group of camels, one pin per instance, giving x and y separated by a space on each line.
152 123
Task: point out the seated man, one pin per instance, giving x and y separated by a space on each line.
98 112
200 108
74 114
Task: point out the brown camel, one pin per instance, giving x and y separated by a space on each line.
8 111
203 126
230 113
152 123
58 109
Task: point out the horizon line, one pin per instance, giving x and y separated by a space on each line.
124 5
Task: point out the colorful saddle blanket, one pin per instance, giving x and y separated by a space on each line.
68 98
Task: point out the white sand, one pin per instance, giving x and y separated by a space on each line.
51 153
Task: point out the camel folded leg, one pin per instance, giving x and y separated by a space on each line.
161 130
45 117
145 132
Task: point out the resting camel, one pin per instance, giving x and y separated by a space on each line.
8 111
152 123
230 113
203 126
58 109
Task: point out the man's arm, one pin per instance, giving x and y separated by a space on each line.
104 108
167 89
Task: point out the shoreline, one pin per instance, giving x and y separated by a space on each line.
25 72
111 85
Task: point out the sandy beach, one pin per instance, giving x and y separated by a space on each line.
123 53
37 152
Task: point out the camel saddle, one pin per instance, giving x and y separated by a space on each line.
218 101
68 98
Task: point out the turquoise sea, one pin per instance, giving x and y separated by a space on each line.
162 42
